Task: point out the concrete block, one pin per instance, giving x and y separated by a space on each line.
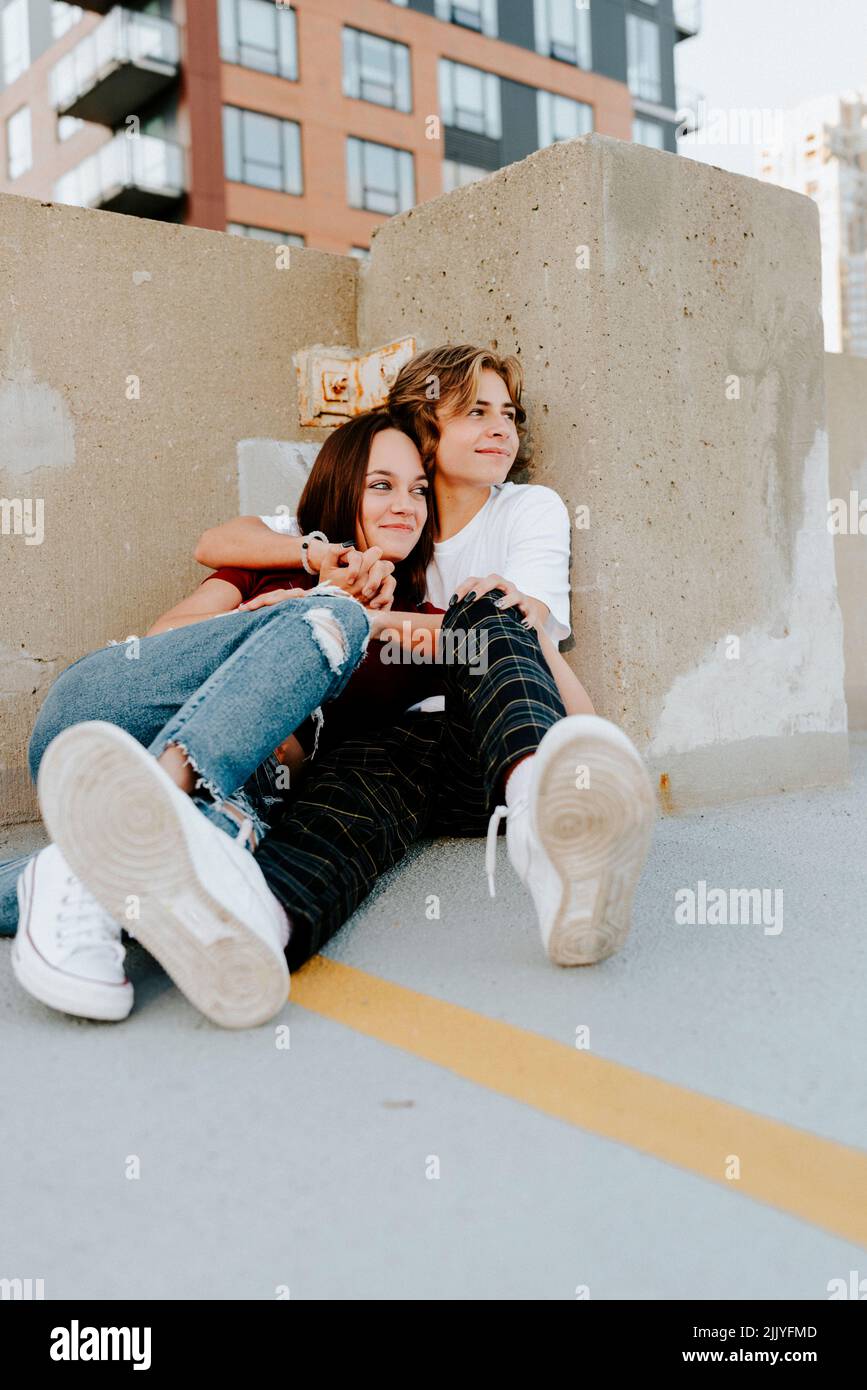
134 356
846 385
668 317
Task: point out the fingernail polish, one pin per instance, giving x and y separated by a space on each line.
453 600
470 596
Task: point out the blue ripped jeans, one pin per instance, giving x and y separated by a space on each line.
228 691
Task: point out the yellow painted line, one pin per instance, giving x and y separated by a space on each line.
815 1179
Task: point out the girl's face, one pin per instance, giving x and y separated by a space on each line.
394 501
481 443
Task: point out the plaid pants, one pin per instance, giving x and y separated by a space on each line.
366 800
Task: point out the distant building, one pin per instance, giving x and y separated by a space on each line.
288 122
823 153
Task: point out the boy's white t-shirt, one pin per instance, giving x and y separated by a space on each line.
521 533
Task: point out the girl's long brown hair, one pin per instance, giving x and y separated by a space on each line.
332 497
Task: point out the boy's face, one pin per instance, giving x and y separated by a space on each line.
481 443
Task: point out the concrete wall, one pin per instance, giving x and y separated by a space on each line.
846 383
677 392
676 387
207 323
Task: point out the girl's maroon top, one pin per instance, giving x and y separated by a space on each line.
378 692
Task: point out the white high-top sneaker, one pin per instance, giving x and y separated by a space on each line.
579 839
203 907
68 952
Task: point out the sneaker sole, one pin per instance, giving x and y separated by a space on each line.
55 987
123 833
596 837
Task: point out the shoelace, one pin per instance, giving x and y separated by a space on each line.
500 813
88 923
245 834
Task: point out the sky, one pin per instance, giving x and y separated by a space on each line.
769 54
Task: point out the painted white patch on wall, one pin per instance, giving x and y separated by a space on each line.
36 427
21 672
780 684
272 474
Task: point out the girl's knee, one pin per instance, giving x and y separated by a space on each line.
44 730
77 694
52 719
342 628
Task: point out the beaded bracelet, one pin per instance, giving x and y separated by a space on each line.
305 546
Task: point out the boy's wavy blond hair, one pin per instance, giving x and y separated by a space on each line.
446 379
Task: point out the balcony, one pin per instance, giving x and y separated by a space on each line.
687 19
118 68
141 175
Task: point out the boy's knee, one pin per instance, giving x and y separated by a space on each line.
466 613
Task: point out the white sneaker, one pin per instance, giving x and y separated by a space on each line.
203 907
579 849
67 951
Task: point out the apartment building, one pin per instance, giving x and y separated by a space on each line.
313 121
822 152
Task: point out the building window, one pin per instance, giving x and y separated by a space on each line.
648 133
259 34
456 175
376 69
470 99
265 234
19 143
472 14
561 118
15 32
63 17
380 178
67 126
643 68
262 150
563 31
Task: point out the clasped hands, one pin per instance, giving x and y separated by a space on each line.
362 573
